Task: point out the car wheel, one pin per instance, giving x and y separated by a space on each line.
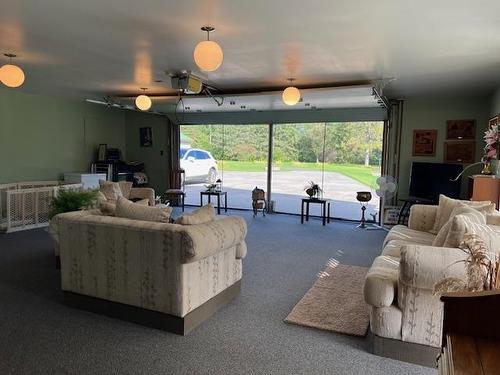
212 176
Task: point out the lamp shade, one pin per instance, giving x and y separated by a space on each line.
291 95
143 102
208 55
11 75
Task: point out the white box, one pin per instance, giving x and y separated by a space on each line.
88 180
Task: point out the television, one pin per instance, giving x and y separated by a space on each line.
428 180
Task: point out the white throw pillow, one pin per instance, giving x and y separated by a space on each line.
111 190
446 206
462 224
200 216
490 234
131 210
460 209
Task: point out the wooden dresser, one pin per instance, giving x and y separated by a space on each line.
471 334
484 188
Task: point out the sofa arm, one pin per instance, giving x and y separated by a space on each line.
202 240
143 193
422 267
422 217
380 288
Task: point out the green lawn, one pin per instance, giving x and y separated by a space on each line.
365 175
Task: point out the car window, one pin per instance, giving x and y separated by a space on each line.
203 155
182 152
191 154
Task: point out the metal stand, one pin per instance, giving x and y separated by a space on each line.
362 224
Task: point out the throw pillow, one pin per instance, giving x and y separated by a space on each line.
131 210
446 206
199 216
109 208
111 190
490 234
126 188
461 224
460 209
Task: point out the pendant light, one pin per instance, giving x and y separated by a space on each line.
208 54
291 95
11 75
143 102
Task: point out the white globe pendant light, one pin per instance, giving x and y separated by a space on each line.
11 75
208 54
143 102
291 95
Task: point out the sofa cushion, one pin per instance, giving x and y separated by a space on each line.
461 224
401 232
126 188
130 210
111 190
381 281
201 215
476 214
446 206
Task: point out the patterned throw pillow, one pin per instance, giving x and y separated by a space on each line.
462 224
446 206
126 188
109 209
111 190
200 216
131 210
474 211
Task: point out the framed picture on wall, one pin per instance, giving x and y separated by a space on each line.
424 142
461 129
146 137
460 152
492 122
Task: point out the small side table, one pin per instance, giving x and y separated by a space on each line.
325 209
218 194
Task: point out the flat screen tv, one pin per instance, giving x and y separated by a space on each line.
428 180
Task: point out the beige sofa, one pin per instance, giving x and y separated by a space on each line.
399 288
166 275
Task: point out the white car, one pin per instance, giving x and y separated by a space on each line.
199 165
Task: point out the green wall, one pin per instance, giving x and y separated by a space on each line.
432 113
155 158
42 137
495 103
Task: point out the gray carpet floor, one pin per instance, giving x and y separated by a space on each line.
40 335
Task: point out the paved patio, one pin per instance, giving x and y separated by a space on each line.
288 190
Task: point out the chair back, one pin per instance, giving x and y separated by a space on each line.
258 194
177 179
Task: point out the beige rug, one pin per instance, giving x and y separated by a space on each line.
335 301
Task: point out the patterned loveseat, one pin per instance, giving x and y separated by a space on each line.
165 275
399 287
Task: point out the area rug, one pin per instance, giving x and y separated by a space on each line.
335 301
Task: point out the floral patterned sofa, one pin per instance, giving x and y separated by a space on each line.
399 286
168 276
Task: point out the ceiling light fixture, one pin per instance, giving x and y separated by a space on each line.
11 75
143 102
208 54
291 95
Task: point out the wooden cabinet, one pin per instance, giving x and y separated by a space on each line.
471 343
485 188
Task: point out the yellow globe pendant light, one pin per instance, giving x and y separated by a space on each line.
143 102
11 75
208 54
291 95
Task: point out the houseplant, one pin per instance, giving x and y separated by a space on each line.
313 190
68 200
491 149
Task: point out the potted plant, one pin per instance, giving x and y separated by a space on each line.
68 200
313 190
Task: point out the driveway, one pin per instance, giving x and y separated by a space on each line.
288 190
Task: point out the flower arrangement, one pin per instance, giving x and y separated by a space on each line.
492 139
482 269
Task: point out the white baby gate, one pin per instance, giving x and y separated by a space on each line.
26 205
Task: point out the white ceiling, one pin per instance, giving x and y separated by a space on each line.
94 48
